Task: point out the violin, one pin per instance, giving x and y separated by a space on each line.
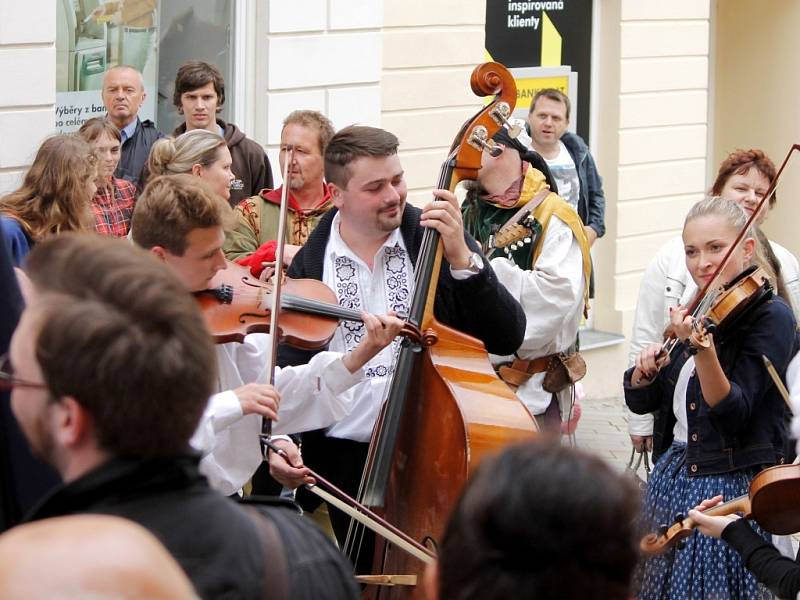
238 304
773 501
720 309
730 302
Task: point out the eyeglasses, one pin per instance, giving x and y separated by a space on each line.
9 382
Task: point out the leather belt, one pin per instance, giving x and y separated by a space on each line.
520 371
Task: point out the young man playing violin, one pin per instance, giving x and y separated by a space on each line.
719 417
366 250
180 220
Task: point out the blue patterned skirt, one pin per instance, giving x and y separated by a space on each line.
706 567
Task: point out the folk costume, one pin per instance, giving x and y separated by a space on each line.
704 450
473 302
253 238
549 276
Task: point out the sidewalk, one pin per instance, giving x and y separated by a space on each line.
603 430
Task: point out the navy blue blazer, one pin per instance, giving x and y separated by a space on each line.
749 427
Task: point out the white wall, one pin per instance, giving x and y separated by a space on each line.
28 92
325 57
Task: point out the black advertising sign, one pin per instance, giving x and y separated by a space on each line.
555 38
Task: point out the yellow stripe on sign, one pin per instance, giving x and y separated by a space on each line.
551 43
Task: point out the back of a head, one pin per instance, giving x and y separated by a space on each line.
88 557
540 521
120 334
171 206
54 193
351 143
173 156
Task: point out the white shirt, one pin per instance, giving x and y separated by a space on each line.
551 294
369 393
681 430
312 396
562 167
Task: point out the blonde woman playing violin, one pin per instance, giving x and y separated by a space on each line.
719 420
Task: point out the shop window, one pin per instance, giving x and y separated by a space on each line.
154 36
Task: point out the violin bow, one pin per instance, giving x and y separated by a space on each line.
277 281
776 379
358 511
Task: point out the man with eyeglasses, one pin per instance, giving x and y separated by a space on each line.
112 368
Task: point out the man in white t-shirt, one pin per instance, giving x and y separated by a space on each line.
568 157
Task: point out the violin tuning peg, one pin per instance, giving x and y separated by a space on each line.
681 545
679 517
662 530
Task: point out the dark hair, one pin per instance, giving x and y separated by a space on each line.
740 162
195 74
552 94
313 119
540 521
171 207
119 333
355 142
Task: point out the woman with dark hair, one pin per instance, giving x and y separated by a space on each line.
539 521
54 196
114 200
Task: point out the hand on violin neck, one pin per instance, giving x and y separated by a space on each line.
681 322
707 524
381 330
259 399
288 470
444 215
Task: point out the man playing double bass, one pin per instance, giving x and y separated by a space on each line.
366 250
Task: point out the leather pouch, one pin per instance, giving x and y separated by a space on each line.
563 370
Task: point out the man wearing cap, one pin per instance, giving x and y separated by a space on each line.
547 270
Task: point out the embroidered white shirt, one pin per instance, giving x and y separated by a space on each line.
388 286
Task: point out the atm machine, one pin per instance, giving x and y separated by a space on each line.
81 47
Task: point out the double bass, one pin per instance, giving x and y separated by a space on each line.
446 408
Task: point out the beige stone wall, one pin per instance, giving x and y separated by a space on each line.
651 147
756 84
429 51
28 93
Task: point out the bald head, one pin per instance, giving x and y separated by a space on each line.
93 557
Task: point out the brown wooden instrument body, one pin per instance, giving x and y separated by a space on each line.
773 501
248 311
737 297
457 411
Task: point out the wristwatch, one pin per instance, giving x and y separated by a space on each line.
475 263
